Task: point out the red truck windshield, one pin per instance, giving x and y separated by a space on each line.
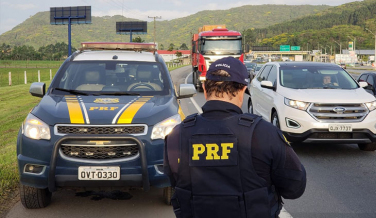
221 46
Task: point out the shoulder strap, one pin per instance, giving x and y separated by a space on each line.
190 120
248 119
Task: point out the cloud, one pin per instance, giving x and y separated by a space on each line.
143 15
8 24
20 6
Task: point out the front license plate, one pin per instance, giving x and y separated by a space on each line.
340 128
98 173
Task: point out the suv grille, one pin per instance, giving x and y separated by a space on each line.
340 113
112 150
100 130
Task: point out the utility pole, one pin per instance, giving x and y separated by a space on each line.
374 34
156 17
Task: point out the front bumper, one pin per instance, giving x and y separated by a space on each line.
61 172
311 130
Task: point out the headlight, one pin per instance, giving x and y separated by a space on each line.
34 128
161 129
301 105
371 105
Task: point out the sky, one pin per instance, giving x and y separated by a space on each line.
14 12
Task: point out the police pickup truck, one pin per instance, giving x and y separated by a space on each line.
101 123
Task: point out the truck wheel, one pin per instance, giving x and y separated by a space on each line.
250 106
275 120
199 86
34 198
367 147
194 78
168 192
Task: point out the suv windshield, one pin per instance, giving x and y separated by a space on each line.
316 77
224 46
111 77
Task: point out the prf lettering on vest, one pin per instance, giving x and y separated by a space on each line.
212 151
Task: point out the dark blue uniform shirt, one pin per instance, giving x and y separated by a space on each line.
273 158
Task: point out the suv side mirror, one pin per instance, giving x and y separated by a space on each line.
363 84
186 91
38 89
267 85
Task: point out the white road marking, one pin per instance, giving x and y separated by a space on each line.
198 108
283 213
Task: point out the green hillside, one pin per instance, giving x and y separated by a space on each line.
37 31
337 25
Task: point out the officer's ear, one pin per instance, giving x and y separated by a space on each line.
203 87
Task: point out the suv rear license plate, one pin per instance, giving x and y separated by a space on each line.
340 128
98 173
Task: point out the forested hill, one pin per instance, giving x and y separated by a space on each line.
334 24
37 31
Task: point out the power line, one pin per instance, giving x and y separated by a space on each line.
155 17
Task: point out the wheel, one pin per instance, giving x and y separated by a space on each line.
168 192
275 120
34 198
199 86
367 147
194 78
250 106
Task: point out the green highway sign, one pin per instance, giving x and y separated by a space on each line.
284 48
295 48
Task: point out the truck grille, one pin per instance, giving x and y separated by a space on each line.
338 113
100 130
106 150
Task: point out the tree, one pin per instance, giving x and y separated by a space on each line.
171 47
178 54
183 47
138 39
161 47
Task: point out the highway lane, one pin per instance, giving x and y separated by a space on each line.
341 178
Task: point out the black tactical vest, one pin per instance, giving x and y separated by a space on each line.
216 178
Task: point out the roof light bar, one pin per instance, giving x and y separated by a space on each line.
118 46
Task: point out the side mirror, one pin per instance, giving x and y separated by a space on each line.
38 89
186 91
267 85
363 84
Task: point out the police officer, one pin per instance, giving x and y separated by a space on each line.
224 163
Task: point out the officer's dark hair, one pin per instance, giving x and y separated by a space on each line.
219 87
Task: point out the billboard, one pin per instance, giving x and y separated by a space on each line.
77 15
132 27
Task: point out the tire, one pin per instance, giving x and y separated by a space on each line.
199 86
194 78
34 198
367 147
275 120
250 106
168 192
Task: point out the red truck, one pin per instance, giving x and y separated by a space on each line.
213 42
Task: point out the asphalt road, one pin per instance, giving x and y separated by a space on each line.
341 183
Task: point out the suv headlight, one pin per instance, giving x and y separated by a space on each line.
371 105
34 128
301 105
161 129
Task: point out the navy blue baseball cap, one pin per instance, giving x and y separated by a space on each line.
237 70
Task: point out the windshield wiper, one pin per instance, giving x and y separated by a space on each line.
71 91
116 93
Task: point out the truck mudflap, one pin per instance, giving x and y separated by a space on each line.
54 156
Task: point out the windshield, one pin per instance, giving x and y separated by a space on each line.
258 67
111 77
220 47
316 77
250 65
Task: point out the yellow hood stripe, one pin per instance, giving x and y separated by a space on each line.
74 109
130 112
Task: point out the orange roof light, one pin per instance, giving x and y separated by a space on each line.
118 46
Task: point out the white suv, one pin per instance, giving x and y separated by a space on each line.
314 102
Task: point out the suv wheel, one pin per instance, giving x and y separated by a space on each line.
275 120
367 147
33 198
168 192
250 106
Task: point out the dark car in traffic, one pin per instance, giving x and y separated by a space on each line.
370 78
